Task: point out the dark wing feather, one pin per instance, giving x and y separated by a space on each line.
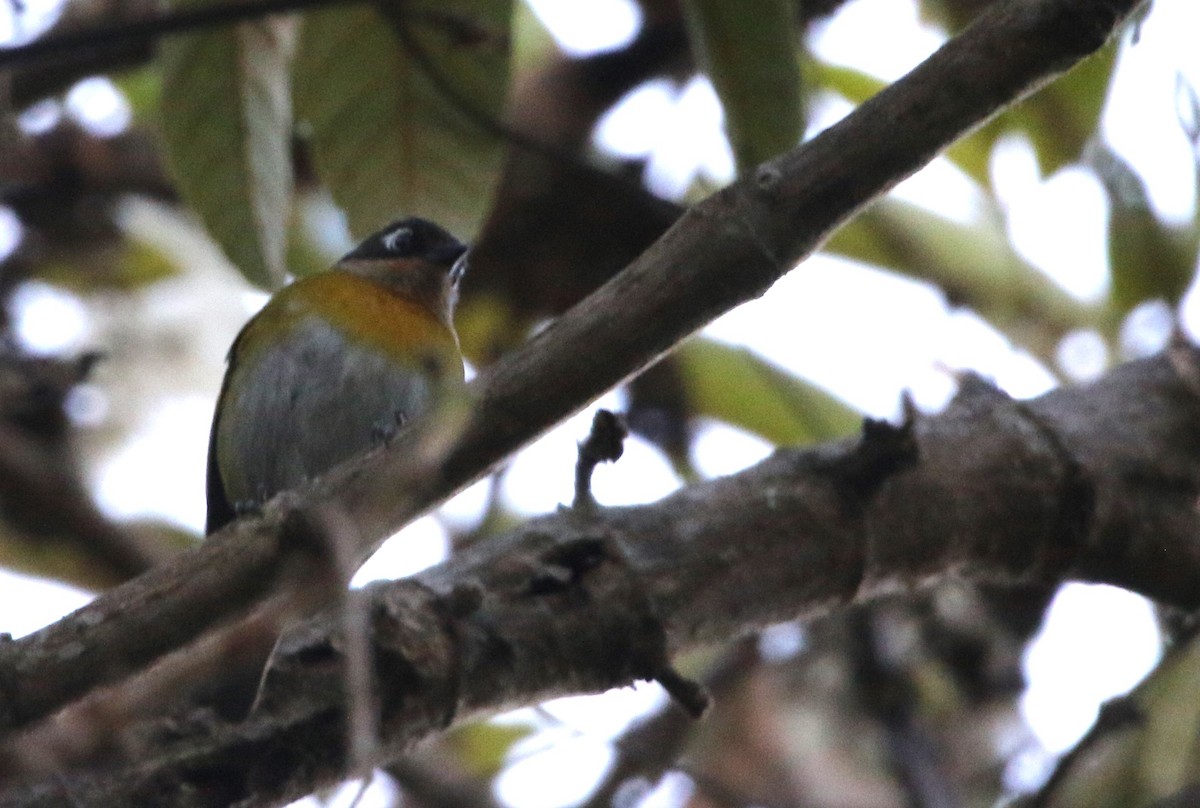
220 510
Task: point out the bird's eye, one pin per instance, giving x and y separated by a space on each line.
458 270
398 241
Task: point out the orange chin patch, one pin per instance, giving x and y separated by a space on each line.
364 310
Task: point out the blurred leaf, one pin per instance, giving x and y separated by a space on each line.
951 15
124 266
740 388
1143 748
532 43
852 84
487 325
1059 120
974 265
145 264
65 558
394 108
1112 781
658 409
750 57
1148 259
1170 754
483 747
142 88
226 122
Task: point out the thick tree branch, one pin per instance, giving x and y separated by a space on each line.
1068 485
728 249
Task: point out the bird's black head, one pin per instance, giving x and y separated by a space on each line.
410 238
413 258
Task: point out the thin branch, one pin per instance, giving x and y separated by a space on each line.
142 32
651 746
727 250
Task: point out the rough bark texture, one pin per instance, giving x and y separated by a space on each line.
1097 482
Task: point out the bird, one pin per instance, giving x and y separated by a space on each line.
334 364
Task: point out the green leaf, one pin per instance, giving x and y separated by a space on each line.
738 387
1148 259
142 89
128 265
852 84
483 747
1169 757
974 265
1143 747
750 57
532 43
145 264
1059 120
398 108
226 122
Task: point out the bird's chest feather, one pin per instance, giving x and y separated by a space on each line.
297 406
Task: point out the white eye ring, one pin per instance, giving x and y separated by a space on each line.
392 241
459 269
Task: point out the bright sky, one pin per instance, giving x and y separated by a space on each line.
822 321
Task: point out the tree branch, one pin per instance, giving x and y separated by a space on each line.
728 249
143 32
1067 485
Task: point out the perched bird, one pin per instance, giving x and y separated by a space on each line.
334 364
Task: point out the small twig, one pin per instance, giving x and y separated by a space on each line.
689 695
605 443
651 745
140 31
363 784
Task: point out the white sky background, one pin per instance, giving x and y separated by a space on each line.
862 334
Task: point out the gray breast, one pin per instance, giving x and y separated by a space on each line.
304 407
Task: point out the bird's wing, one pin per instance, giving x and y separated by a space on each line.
220 510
